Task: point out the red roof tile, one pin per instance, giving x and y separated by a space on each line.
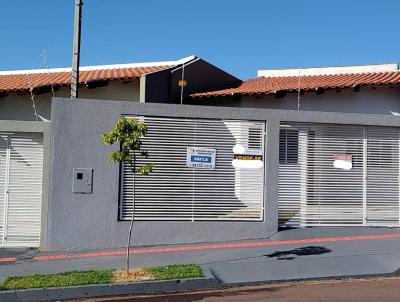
25 80
271 85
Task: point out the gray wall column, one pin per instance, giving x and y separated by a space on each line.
142 89
271 174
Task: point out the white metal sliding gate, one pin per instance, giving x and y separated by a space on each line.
174 191
382 172
338 175
21 169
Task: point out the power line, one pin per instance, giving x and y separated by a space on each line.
43 57
32 97
299 91
48 71
51 49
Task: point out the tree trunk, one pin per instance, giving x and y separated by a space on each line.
131 226
128 245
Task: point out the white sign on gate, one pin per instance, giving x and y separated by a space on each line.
197 157
248 159
343 161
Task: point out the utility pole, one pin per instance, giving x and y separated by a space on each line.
76 49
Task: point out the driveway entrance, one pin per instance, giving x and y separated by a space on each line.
338 175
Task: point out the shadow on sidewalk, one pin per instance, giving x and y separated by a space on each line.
282 255
302 251
20 253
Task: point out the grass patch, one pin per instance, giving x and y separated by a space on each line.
58 280
167 272
175 271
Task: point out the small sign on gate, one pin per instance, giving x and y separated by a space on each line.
197 157
343 161
244 158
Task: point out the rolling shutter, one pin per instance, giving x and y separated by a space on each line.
174 191
23 189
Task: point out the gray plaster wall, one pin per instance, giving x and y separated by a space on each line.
78 221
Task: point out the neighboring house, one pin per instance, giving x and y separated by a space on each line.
357 89
137 82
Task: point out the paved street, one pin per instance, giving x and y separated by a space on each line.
368 290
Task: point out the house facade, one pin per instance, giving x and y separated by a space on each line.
370 89
25 95
325 145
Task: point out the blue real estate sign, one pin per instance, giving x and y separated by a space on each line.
198 157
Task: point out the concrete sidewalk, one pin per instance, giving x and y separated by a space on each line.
292 254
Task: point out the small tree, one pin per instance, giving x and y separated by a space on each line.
128 133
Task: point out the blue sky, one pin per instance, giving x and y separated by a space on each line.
238 36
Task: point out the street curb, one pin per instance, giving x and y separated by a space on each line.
87 291
310 279
208 282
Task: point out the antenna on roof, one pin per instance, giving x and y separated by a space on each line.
298 91
182 83
76 49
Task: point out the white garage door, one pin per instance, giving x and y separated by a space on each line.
21 170
315 188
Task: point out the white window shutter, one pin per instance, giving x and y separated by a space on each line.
23 210
3 179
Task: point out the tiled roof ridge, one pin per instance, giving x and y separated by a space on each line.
27 81
325 75
99 67
271 85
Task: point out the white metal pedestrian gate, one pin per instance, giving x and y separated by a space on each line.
175 191
338 175
21 169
